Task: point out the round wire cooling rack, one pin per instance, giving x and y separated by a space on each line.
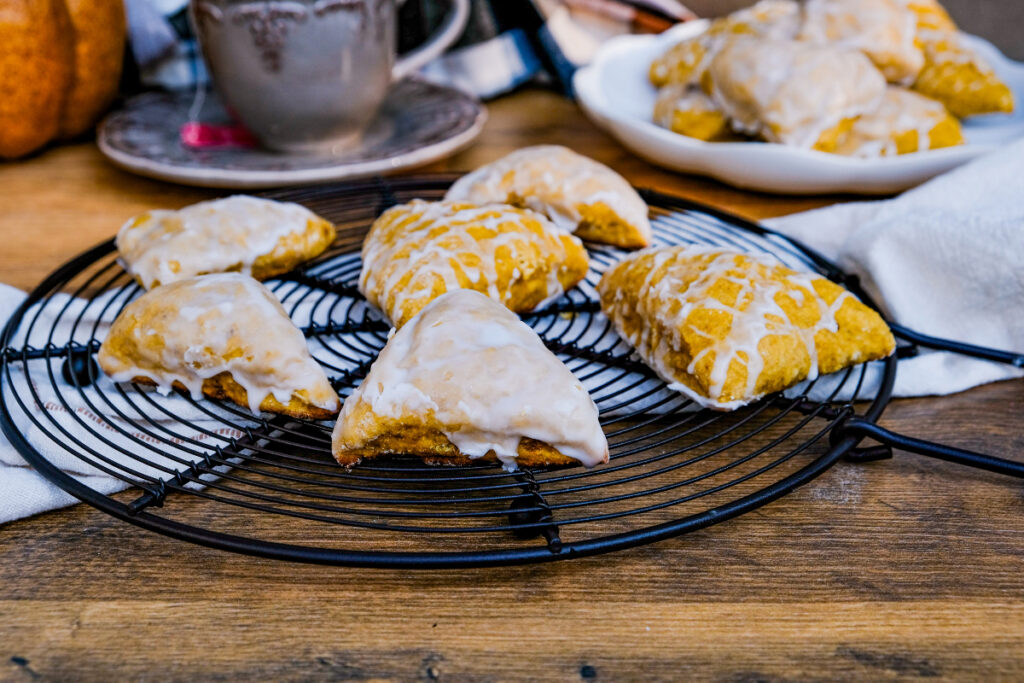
213 473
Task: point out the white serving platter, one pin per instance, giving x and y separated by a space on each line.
616 94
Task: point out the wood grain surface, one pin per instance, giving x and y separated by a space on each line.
900 569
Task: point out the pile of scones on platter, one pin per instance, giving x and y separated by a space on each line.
461 378
863 78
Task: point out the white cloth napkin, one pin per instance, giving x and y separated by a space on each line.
945 259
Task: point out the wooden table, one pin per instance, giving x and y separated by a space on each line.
908 568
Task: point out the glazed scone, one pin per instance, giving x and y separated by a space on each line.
884 30
956 75
904 122
794 93
258 237
725 328
690 111
225 336
686 62
930 15
577 193
416 252
466 380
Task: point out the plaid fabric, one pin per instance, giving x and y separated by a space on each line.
182 70
489 68
162 44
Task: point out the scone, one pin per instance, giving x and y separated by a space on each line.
466 380
686 62
689 111
956 75
725 328
577 193
416 252
904 122
258 237
884 30
930 15
225 336
794 93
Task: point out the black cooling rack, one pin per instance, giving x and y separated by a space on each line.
212 473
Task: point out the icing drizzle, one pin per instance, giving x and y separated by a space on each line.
681 98
901 111
669 294
554 181
420 250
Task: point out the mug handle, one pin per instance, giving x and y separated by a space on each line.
453 26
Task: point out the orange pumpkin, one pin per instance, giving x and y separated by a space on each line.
60 64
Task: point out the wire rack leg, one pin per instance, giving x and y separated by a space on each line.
859 427
532 509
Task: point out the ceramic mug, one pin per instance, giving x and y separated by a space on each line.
309 75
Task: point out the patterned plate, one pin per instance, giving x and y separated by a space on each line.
419 122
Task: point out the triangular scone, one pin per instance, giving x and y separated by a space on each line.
577 193
884 30
467 380
904 122
259 237
957 75
224 335
794 93
416 252
930 15
686 62
954 73
726 328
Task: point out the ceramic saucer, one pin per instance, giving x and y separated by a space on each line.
419 122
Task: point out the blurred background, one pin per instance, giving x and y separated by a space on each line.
520 21
505 45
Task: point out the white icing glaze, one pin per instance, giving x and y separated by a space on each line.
681 98
486 377
901 111
435 241
792 92
208 237
777 19
555 181
670 301
884 30
929 14
945 47
210 324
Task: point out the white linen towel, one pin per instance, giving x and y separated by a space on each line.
945 259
